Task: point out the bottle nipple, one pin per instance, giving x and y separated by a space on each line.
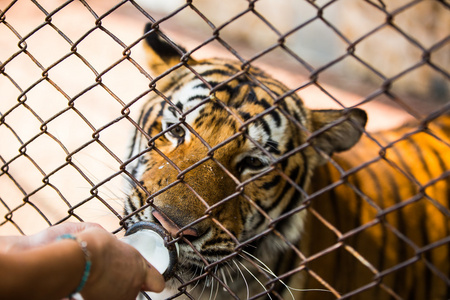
151 240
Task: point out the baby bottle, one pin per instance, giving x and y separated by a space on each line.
151 240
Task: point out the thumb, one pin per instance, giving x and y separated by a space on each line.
154 281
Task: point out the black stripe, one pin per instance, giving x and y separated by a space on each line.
402 226
273 85
173 111
134 139
322 178
144 118
232 68
244 115
263 102
305 173
176 83
423 220
287 186
399 277
443 168
272 147
289 146
264 126
163 105
180 106
261 219
217 240
212 72
214 253
346 285
195 97
294 200
276 117
131 205
251 96
272 183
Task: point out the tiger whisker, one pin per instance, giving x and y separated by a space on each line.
193 276
266 269
256 278
217 284
212 285
243 277
260 262
307 290
270 272
204 287
228 270
222 272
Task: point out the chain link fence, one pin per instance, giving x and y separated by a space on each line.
74 78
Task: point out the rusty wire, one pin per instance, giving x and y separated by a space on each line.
10 209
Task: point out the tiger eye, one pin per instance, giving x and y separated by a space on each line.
177 132
253 162
250 162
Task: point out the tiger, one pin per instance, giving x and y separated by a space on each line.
225 158
395 198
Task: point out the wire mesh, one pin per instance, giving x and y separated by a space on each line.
74 80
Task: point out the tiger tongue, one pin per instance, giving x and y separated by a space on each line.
171 227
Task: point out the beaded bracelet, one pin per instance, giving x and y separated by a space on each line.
87 256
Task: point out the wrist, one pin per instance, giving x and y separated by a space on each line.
94 239
87 259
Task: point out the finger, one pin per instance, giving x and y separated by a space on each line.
69 227
154 281
13 243
52 233
79 227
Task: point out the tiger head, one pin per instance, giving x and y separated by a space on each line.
221 151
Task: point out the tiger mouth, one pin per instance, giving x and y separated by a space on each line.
192 257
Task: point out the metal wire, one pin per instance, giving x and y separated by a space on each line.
26 180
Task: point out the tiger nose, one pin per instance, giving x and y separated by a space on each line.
173 228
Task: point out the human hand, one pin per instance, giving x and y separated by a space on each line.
118 270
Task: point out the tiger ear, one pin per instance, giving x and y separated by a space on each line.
162 53
337 130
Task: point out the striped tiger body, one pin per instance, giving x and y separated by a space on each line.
222 158
395 199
